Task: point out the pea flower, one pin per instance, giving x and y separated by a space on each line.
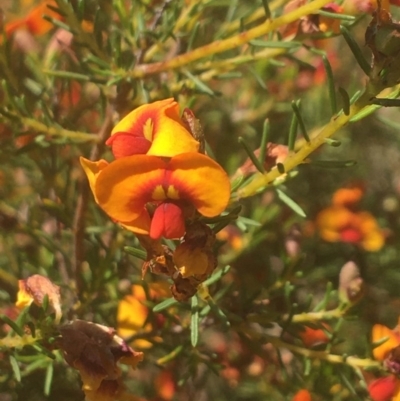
155 129
149 194
386 388
95 351
34 289
342 222
132 316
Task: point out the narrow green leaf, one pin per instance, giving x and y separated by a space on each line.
290 203
218 312
43 350
200 85
193 36
67 75
18 330
296 109
249 222
347 383
138 253
257 77
342 17
57 23
171 356
293 131
345 101
165 304
15 368
327 296
251 155
355 49
266 9
194 321
355 97
48 379
230 75
379 342
331 83
386 102
217 276
274 44
264 141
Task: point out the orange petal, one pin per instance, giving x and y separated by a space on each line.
334 218
127 184
378 333
92 170
202 181
347 196
35 22
139 225
157 122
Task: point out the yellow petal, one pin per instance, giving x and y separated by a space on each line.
92 170
160 123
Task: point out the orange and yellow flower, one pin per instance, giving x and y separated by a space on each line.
386 388
341 222
337 223
155 129
128 188
133 313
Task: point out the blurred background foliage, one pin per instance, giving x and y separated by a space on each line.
68 78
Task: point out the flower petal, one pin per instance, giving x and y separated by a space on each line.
139 225
383 389
92 170
378 333
202 181
157 122
168 221
123 144
126 185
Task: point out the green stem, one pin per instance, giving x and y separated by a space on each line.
318 139
220 46
37 126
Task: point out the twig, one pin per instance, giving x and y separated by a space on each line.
220 46
323 355
317 139
37 126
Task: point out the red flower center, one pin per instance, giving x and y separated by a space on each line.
351 234
168 221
